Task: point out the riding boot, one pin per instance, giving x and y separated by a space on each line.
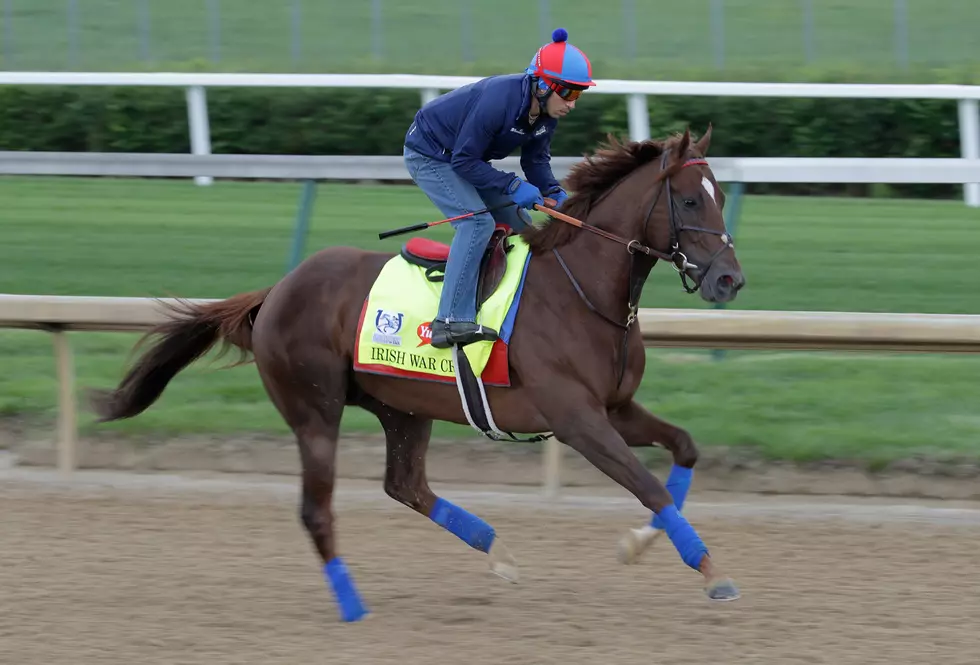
460 333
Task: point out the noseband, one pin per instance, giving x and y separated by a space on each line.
676 257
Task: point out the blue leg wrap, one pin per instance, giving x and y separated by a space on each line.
678 482
348 600
685 538
471 529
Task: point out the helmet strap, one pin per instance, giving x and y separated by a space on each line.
542 91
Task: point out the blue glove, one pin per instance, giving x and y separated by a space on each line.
559 195
524 194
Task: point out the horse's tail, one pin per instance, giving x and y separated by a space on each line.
191 330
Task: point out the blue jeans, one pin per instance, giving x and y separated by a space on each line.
455 196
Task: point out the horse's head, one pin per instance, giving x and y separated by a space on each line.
620 193
685 221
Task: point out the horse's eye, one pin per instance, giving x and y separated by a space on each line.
690 203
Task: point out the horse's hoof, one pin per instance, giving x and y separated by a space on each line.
502 562
362 615
722 590
635 543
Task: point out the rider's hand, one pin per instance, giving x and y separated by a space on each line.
559 195
525 195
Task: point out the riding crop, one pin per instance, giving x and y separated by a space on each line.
424 225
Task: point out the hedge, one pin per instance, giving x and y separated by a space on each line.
373 122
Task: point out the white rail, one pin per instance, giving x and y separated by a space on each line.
731 329
430 86
383 167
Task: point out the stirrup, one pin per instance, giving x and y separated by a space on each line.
460 333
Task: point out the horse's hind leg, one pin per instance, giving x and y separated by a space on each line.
407 439
640 428
310 395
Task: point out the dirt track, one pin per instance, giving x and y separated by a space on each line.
214 571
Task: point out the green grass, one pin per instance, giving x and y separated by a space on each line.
451 36
153 238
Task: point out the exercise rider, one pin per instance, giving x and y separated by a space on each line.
447 151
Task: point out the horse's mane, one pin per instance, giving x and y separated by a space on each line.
590 179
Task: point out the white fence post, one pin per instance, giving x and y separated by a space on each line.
639 118
67 411
428 94
970 145
551 459
197 116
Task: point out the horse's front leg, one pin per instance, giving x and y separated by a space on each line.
587 429
640 428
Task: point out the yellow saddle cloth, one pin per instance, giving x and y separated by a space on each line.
393 334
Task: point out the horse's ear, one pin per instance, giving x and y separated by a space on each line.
684 144
704 142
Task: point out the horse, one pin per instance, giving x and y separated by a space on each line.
576 357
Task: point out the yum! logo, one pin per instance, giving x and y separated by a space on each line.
425 334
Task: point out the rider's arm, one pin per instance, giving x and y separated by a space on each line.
536 163
475 135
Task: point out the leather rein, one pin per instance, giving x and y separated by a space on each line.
637 278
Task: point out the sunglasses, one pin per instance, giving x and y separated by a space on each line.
568 94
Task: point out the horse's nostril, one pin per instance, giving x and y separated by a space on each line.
729 283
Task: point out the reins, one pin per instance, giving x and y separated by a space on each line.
676 257
631 245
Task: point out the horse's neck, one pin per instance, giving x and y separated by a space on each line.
602 266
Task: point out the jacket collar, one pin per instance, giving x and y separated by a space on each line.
526 95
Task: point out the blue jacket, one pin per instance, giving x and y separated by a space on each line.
482 121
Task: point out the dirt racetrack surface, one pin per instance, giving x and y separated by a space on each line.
126 568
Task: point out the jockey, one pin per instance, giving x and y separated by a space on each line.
448 149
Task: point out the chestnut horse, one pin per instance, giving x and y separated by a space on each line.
576 359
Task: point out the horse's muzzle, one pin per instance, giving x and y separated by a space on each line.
722 285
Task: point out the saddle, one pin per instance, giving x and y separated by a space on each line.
433 256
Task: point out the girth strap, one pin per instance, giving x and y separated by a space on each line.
476 407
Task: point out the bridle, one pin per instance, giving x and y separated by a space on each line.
638 274
677 257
